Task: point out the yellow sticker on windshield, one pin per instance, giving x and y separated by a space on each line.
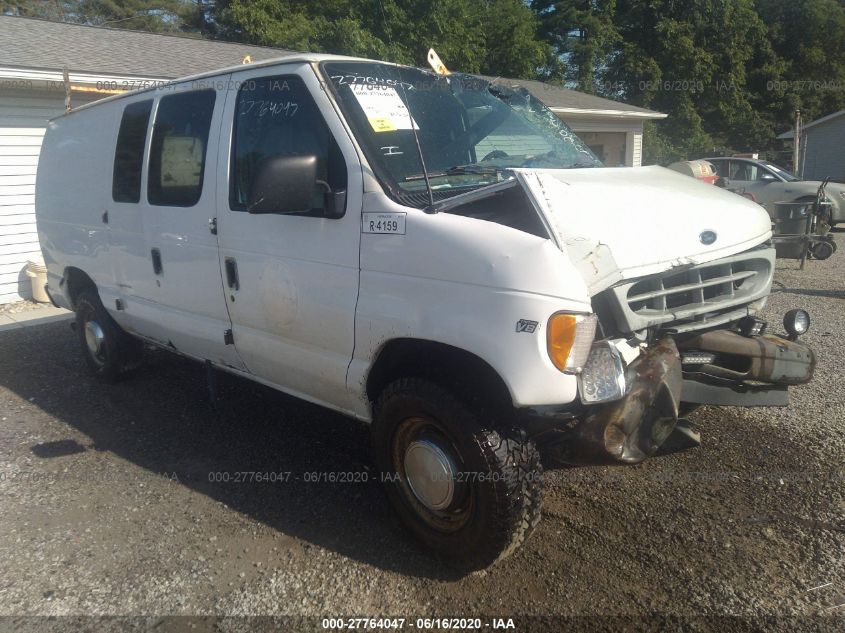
383 107
381 124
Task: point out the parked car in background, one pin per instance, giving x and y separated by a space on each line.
698 169
767 183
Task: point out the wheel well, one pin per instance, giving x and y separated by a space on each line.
451 367
76 281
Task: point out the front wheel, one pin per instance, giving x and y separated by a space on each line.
472 494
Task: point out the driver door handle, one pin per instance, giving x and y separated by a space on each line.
232 273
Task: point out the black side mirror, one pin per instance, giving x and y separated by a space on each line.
283 184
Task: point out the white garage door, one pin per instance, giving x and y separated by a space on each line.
19 149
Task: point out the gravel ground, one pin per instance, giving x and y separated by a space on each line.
108 509
18 307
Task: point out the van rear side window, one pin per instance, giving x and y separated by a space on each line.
129 153
177 153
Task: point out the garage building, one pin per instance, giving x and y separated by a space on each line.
822 148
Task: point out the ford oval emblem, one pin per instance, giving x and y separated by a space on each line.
707 237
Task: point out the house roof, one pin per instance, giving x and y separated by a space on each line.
788 136
564 100
40 45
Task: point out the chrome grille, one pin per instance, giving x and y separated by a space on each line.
696 296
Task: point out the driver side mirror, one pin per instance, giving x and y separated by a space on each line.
283 184
287 185
766 177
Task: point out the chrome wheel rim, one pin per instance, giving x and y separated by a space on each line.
430 472
95 339
429 467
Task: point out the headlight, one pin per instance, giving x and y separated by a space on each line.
603 376
569 337
796 323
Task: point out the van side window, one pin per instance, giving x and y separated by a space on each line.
277 116
177 153
129 153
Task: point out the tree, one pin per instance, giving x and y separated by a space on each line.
512 44
47 10
697 61
495 36
808 36
583 34
141 15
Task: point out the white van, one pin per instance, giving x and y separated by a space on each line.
437 255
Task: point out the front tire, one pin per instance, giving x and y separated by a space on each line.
470 493
106 347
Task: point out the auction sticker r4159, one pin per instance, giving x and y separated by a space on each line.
384 223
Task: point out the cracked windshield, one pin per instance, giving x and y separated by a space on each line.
470 131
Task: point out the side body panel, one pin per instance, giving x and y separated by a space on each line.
129 241
183 305
467 283
81 226
72 194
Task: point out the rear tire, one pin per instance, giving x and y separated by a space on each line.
106 347
470 493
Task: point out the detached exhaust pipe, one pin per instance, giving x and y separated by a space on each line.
730 357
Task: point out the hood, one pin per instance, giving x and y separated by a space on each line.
621 223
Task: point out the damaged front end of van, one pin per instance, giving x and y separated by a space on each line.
677 315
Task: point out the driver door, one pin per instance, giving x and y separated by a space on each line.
291 280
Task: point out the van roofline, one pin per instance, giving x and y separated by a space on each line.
296 57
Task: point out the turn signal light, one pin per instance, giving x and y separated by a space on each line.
569 338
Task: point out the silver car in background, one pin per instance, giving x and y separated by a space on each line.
767 183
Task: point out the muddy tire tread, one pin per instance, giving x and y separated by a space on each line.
517 490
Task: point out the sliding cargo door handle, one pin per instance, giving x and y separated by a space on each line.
156 256
232 273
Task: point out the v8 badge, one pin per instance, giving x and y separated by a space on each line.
529 327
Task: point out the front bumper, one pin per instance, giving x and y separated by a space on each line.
743 371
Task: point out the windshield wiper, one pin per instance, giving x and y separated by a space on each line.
471 196
459 170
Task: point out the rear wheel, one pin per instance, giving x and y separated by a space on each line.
472 494
106 347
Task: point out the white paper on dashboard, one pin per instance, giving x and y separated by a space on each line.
383 107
